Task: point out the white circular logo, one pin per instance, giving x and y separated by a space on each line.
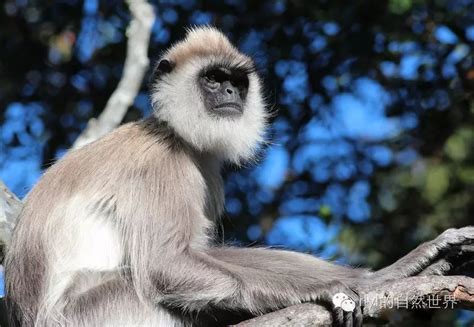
348 305
338 298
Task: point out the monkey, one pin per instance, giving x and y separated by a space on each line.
120 231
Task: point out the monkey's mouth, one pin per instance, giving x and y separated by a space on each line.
229 109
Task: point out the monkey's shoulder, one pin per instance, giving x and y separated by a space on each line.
133 151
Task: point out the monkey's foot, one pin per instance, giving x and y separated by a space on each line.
344 302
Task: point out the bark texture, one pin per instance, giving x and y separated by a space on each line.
382 302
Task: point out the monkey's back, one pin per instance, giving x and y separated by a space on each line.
81 196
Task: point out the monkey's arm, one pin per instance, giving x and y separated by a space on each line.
428 258
287 263
254 281
423 259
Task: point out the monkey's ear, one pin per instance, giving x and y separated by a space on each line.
164 66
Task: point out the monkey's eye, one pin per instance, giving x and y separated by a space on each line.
211 78
240 80
216 76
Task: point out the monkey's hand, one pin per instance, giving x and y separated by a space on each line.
436 257
343 302
458 260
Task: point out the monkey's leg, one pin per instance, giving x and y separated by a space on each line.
114 303
257 281
427 254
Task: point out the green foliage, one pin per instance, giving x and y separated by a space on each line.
436 182
400 6
325 211
460 144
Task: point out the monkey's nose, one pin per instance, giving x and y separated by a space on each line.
229 92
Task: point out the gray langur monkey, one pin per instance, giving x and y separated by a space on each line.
119 232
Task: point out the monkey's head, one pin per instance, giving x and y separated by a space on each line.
210 94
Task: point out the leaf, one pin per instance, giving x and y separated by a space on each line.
466 174
458 146
436 183
400 6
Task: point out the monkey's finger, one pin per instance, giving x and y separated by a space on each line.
357 316
348 319
465 268
438 268
455 251
454 236
338 317
459 255
463 250
451 261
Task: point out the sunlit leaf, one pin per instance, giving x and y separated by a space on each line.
437 182
460 144
400 6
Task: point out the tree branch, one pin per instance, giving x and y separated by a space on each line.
381 301
10 207
136 64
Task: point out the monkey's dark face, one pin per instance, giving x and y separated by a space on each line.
224 91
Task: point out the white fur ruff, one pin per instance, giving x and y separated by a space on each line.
178 101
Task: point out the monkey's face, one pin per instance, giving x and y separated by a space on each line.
210 94
224 90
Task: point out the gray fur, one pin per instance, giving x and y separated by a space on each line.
163 199
120 232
